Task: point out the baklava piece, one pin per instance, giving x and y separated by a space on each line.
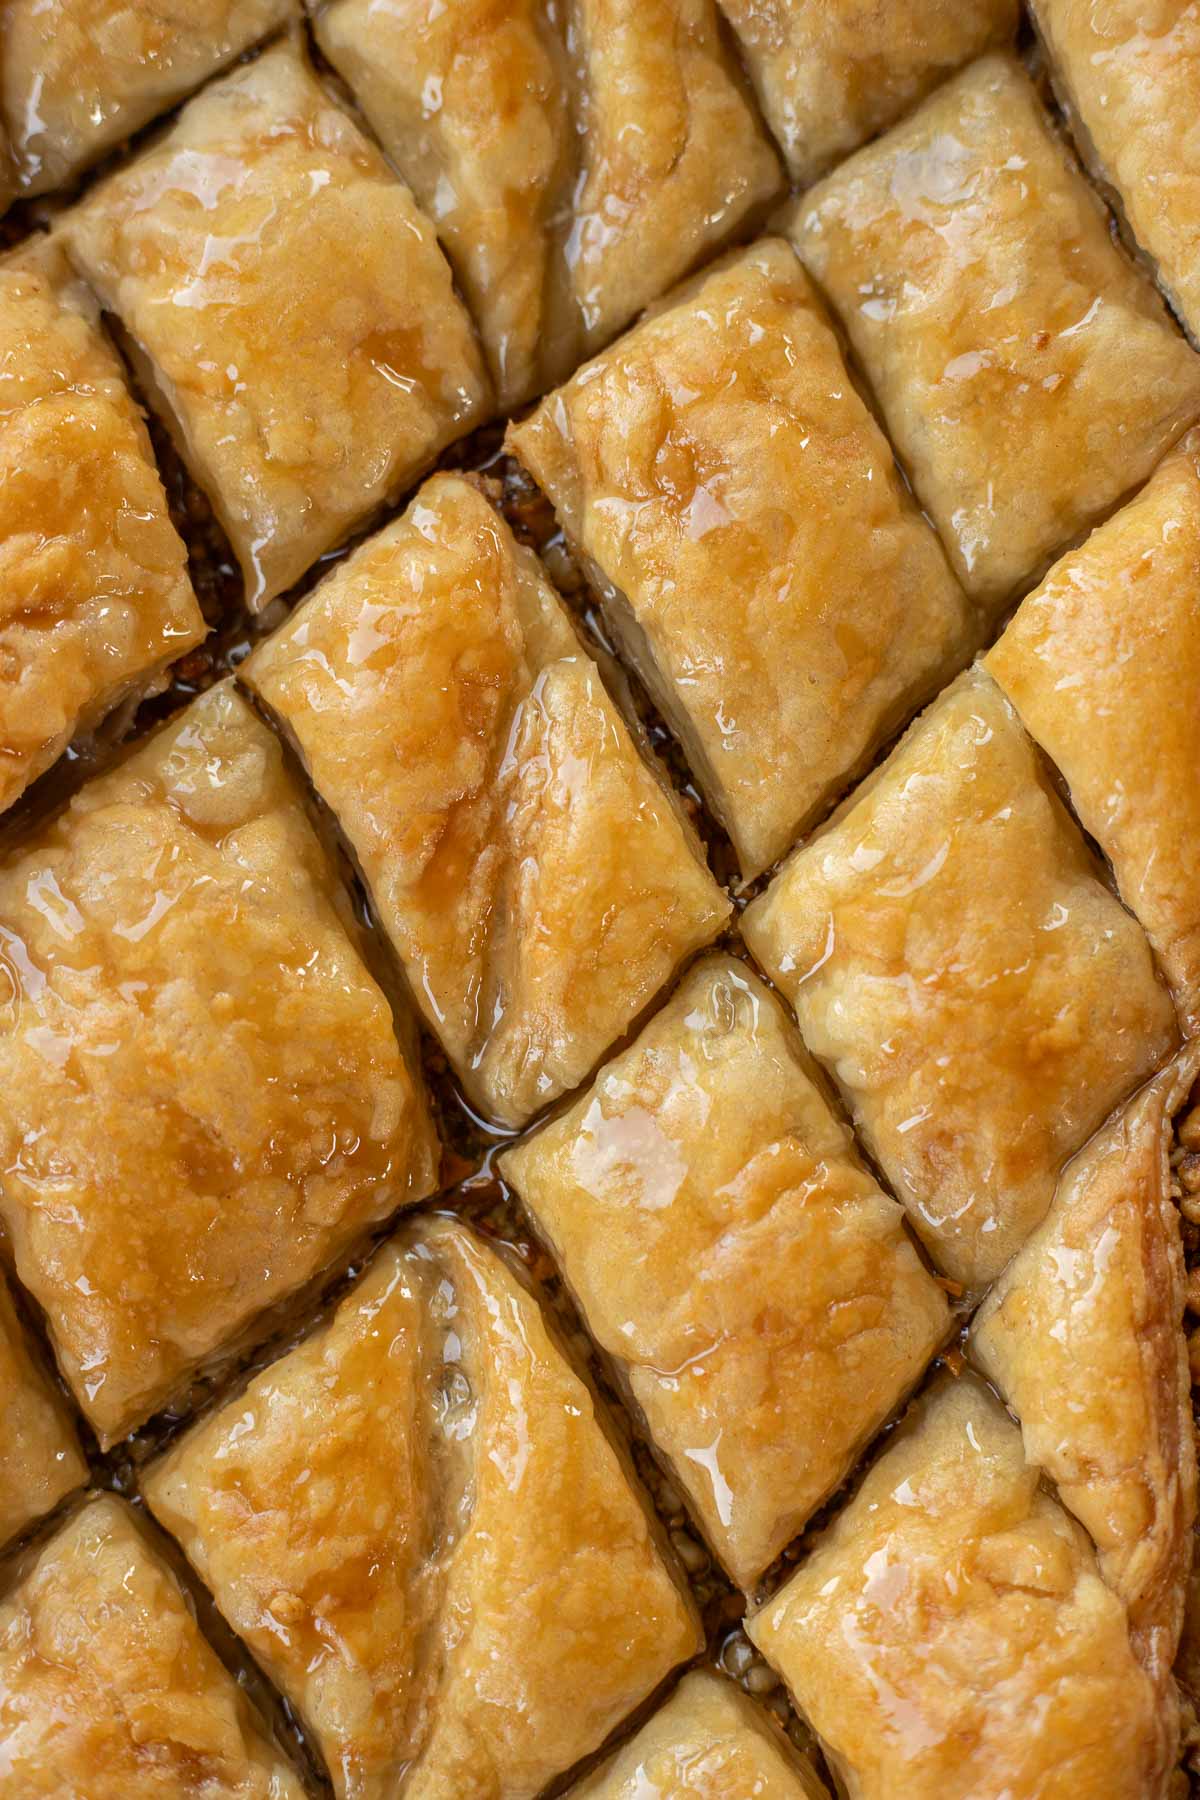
419 1526
756 552
107 1687
950 1636
956 960
40 1458
78 76
202 1099
1129 72
539 882
832 73
1083 1336
577 160
709 1742
976 274
289 310
95 599
1102 662
757 1292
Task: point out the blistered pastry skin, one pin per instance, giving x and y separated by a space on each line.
95 599
40 1458
673 157
756 551
202 1100
756 1290
1096 661
831 73
289 309
417 1523
1083 1336
1130 74
709 1742
472 101
950 1636
539 883
957 963
576 160
107 1687
975 272
77 76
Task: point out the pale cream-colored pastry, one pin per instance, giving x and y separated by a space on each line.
956 961
1129 71
576 160
831 73
1101 663
202 1099
95 599
756 551
950 1637
755 1289
40 1458
709 1742
109 1690
1083 1336
289 309
417 1523
999 323
539 883
77 76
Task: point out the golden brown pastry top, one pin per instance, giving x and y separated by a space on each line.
419 1526
576 160
538 881
108 1689
975 271
756 1290
1129 71
758 554
202 1100
289 308
94 591
956 961
709 1742
1099 662
40 1458
951 1637
1083 1336
831 73
77 76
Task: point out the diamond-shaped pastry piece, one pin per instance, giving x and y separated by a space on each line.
40 1458
539 883
1129 72
576 160
202 1099
950 1635
999 323
709 1742
952 1622
757 1292
107 1687
77 76
755 549
418 1524
957 962
95 599
1082 1335
289 310
831 73
1099 662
